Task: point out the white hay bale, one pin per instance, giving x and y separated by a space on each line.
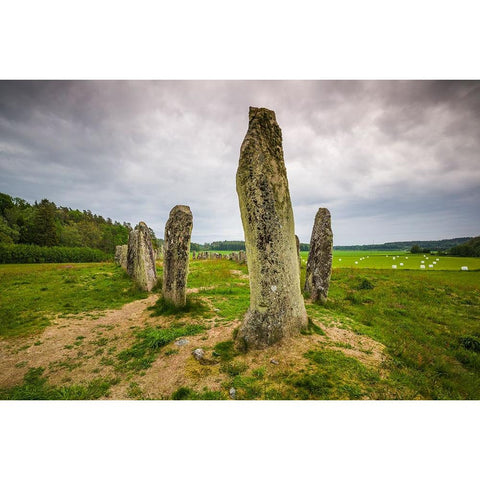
422 261
422 266
464 268
394 266
356 263
434 263
430 266
401 264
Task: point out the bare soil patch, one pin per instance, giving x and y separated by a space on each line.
78 349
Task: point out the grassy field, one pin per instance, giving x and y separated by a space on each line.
83 331
380 260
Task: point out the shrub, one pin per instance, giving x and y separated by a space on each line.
10 253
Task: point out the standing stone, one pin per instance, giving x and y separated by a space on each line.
193 255
141 258
277 309
297 240
319 265
177 252
242 257
121 252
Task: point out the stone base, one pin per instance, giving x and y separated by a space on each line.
260 330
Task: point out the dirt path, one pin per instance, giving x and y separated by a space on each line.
72 348
78 349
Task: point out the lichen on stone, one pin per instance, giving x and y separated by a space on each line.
176 254
319 264
267 217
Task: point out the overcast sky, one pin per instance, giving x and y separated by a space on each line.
391 160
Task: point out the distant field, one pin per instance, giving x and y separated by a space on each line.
381 260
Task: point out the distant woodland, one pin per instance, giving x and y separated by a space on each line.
48 225
428 245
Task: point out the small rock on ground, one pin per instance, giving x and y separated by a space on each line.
198 354
181 342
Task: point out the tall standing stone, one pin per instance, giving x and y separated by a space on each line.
319 265
178 231
141 257
276 308
121 252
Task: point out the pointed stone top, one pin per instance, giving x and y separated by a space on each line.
181 208
323 211
262 113
142 225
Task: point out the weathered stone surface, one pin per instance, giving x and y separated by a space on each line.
242 257
297 240
319 264
276 308
121 252
178 231
141 258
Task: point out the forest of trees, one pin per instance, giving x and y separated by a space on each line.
427 245
467 249
48 225
227 245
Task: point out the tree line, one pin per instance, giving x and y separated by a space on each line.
229 245
48 225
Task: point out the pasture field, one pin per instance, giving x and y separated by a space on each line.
83 331
380 260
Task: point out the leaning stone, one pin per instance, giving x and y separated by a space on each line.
121 252
177 249
140 258
319 264
277 309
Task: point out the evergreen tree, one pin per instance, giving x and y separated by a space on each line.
44 227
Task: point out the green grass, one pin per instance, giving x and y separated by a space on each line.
225 350
32 294
428 321
194 307
421 319
185 393
229 294
35 387
385 260
143 352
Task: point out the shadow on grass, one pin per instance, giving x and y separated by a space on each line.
194 307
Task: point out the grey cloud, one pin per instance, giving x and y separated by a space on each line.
368 150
